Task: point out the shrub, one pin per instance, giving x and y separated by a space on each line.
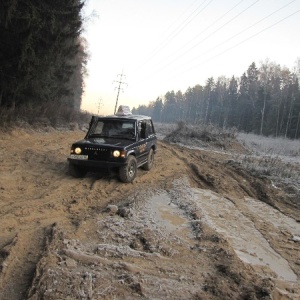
50 114
201 135
277 158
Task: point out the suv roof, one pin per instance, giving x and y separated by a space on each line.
132 117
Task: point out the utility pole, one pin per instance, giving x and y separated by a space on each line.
99 105
120 82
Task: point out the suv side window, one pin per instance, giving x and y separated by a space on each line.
149 127
142 128
145 129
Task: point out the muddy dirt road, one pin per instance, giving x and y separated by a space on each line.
197 226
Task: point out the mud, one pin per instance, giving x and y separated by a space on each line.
197 226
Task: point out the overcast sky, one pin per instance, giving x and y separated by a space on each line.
164 45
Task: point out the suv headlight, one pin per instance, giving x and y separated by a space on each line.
77 150
116 153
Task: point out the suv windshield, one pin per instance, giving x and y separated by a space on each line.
114 128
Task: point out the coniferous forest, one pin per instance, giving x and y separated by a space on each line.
42 55
43 61
265 100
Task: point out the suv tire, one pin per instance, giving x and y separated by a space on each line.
150 160
128 172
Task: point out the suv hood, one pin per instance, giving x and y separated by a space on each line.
109 142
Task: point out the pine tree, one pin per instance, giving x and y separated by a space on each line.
40 52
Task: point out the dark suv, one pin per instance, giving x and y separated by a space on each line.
122 142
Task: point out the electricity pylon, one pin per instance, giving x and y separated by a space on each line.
100 104
120 82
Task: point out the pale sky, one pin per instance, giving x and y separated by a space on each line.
164 45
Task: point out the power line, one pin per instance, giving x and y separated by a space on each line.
242 31
157 48
175 32
173 24
210 35
209 26
213 48
245 40
184 25
221 27
229 39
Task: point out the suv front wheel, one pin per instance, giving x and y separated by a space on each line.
128 172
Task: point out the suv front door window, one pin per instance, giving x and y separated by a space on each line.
142 129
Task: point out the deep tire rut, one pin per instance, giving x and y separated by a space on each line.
19 264
37 192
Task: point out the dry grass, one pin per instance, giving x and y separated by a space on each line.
201 135
270 146
276 158
163 129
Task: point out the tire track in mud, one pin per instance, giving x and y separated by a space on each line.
209 171
137 257
250 243
29 179
277 228
18 263
38 193
216 171
255 216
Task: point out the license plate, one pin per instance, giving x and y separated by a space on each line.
75 156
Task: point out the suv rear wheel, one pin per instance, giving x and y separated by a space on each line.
150 160
128 172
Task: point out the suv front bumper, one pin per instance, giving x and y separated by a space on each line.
96 163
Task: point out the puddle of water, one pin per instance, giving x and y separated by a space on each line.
249 244
167 215
273 216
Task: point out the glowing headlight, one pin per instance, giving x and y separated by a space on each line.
116 153
77 150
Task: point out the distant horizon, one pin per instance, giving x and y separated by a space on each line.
183 91
166 45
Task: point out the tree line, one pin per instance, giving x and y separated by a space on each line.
42 54
264 100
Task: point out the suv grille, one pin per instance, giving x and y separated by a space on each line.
95 153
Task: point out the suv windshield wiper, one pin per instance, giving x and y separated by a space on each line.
98 135
123 136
